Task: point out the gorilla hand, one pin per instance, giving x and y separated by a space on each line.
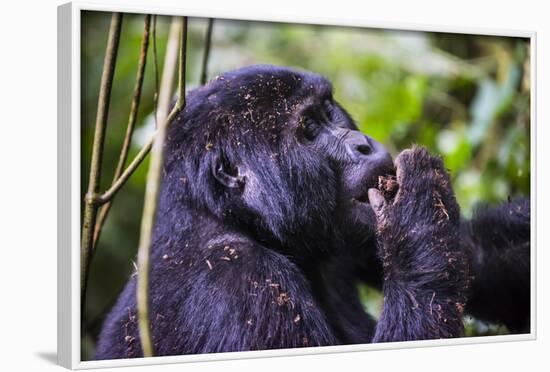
425 271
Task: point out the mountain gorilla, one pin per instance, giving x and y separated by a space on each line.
273 205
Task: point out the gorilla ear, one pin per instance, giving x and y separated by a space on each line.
227 174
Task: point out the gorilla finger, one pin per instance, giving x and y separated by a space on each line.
377 201
414 171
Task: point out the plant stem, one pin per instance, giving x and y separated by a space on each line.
108 195
163 99
152 191
168 72
90 204
103 213
156 65
206 54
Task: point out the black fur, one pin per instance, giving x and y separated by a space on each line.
263 228
497 241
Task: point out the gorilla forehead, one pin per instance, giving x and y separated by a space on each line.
262 95
266 84
252 105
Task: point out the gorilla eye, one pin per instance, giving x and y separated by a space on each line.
311 129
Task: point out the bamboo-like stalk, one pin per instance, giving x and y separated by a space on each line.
206 54
152 191
156 64
168 72
134 108
163 99
108 195
90 202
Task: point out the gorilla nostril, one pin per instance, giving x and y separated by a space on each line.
364 149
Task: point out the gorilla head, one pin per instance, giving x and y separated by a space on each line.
268 151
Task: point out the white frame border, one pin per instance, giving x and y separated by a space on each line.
69 181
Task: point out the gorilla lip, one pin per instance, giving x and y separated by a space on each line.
363 196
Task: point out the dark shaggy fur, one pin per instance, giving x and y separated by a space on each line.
264 228
497 241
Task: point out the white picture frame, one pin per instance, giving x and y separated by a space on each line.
69 203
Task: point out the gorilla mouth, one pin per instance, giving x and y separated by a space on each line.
362 196
373 180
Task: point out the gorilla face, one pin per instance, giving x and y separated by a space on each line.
281 159
356 159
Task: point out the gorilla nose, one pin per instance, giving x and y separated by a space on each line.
363 148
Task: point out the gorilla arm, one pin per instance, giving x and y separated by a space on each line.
497 240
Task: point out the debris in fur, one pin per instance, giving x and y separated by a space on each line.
284 299
388 186
209 264
439 204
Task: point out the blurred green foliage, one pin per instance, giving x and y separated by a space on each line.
462 96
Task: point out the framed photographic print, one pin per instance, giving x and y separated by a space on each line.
248 187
